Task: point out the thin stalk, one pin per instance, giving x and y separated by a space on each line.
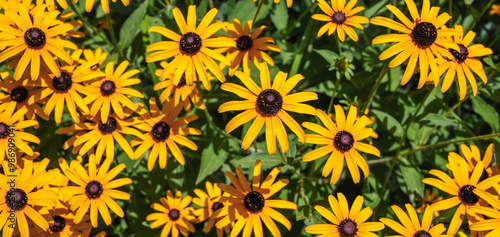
91 28
304 13
378 161
211 4
339 46
333 94
258 10
494 41
303 45
219 130
376 86
297 172
450 12
113 38
481 14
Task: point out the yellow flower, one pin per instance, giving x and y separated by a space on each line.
11 127
191 49
472 155
63 225
345 223
495 9
428 200
420 40
288 2
104 3
174 214
341 141
491 225
340 17
210 203
91 56
268 104
248 47
248 206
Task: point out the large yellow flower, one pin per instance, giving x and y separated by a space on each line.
191 49
248 206
174 214
472 155
341 141
419 40
340 17
345 223
268 104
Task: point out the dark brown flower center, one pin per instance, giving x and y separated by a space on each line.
338 18
462 55
109 127
16 199
254 201
73 184
343 141
34 38
95 67
269 102
4 130
190 43
174 214
19 94
348 228
59 224
108 87
182 81
467 196
424 34
422 233
244 42
160 131
63 83
93 189
484 176
216 206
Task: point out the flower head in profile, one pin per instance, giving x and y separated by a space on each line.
210 203
345 223
248 47
341 141
174 214
268 105
419 40
463 63
412 225
249 205
191 49
472 155
340 18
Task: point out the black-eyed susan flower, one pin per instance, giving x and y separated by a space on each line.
104 3
412 225
94 190
420 40
466 191
249 206
11 131
341 142
472 155
33 39
248 47
345 223
90 55
174 213
112 91
209 203
163 130
191 49
268 105
490 226
19 196
463 63
65 89
340 18
181 92
288 2
63 225
429 199
495 9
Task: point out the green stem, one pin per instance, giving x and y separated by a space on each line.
297 172
219 130
257 12
333 94
378 161
376 86
91 28
292 26
450 5
487 7
211 4
303 45
494 41
113 38
338 45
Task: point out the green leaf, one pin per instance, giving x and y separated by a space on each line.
245 10
303 213
490 62
280 16
328 55
469 2
267 160
475 13
131 27
439 120
487 113
211 160
391 124
413 180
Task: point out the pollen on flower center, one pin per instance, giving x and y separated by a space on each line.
16 199
462 55
254 201
467 196
19 94
422 233
269 102
34 38
62 83
190 43
216 206
59 224
108 87
244 42
93 189
109 127
160 131
338 18
4 130
348 228
343 141
424 34
174 214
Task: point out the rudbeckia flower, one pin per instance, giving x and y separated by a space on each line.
249 205
268 105
472 155
11 127
419 40
89 55
340 17
429 199
63 225
288 2
345 223
174 214
490 226
341 141
191 49
104 3
210 203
